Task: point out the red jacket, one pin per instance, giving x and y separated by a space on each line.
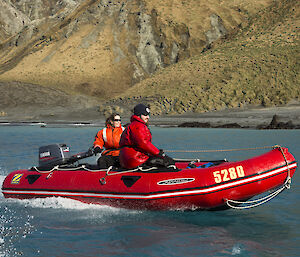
137 139
109 138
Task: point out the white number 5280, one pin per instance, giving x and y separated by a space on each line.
228 174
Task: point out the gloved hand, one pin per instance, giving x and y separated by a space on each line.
166 159
97 150
90 151
161 153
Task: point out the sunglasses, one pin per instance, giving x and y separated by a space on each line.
117 119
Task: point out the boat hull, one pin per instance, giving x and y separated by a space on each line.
183 188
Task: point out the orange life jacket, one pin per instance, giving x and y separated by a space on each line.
109 138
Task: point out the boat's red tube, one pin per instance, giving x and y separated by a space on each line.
183 188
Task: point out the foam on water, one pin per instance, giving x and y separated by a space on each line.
1 180
236 249
70 204
62 203
13 229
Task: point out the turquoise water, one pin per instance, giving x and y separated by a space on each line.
62 227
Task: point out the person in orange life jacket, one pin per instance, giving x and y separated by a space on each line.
109 138
136 143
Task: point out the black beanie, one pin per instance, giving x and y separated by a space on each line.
141 109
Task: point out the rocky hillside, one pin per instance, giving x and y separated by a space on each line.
180 56
259 66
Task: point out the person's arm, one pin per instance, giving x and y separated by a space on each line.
99 142
141 136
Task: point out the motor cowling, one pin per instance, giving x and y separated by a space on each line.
53 155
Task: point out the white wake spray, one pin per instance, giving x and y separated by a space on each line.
1 182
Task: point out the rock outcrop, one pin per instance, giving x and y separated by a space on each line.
277 124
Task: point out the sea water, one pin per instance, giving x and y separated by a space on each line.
62 227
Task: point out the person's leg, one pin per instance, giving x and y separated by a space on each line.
116 161
105 162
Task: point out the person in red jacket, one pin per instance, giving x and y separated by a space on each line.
136 143
109 138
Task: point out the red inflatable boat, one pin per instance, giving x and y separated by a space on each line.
188 185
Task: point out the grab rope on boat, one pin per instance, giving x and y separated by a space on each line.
103 180
83 167
288 180
254 203
45 171
229 202
219 150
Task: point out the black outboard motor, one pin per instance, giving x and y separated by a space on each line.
59 155
53 155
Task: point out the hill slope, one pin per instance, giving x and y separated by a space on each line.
179 56
258 66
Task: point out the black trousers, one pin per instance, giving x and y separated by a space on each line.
105 161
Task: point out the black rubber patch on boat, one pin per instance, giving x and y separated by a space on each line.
32 178
130 180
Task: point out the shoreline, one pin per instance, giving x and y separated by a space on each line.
234 118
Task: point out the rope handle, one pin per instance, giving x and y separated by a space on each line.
103 179
221 150
288 178
254 203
